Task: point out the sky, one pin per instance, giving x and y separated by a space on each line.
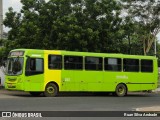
16 5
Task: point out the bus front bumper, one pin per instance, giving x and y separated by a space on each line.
14 86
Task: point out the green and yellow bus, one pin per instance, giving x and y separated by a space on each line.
54 71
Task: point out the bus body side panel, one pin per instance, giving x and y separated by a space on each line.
94 79
135 81
68 81
112 79
149 81
82 80
51 75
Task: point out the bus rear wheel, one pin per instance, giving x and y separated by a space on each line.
51 90
121 90
35 93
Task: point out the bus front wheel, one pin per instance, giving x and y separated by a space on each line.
51 90
121 90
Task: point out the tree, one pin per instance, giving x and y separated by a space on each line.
12 21
81 25
147 15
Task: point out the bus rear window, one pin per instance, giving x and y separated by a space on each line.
147 65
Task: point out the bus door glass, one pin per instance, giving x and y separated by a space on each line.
34 73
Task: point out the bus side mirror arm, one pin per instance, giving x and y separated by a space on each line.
27 56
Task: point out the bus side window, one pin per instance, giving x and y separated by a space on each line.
55 62
112 64
146 65
73 62
131 65
93 63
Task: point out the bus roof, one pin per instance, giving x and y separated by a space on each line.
63 52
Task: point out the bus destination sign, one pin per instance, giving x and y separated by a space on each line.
16 53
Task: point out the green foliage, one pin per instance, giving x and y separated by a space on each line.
82 25
145 15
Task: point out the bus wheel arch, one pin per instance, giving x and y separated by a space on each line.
51 89
121 90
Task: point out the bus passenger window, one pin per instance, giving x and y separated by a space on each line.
147 65
112 64
73 62
55 62
130 65
93 63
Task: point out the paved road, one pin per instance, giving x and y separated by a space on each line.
20 101
70 101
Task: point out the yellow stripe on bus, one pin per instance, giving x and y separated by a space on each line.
51 75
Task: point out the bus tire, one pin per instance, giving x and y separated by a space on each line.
121 90
51 90
35 93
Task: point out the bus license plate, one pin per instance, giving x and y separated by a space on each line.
11 86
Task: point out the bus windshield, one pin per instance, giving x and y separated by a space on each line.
14 66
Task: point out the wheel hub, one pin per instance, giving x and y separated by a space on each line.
121 90
50 90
